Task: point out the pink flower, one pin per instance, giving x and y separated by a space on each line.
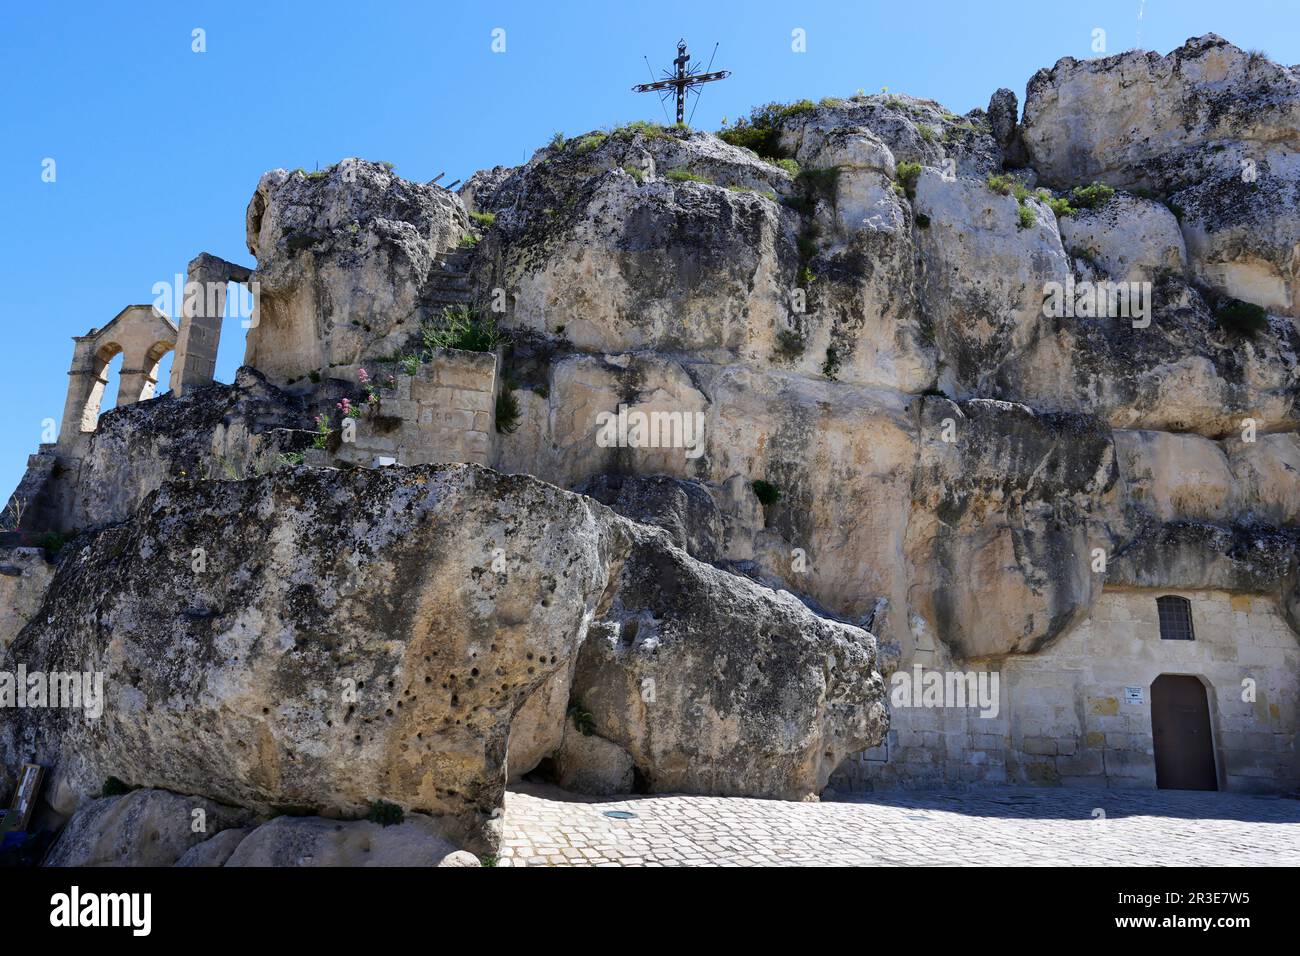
362 376
344 406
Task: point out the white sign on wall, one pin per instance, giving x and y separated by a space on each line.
1134 695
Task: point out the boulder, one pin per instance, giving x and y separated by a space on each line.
350 636
587 763
314 842
460 858
345 639
141 828
703 706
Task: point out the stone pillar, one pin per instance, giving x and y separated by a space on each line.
86 380
195 361
135 384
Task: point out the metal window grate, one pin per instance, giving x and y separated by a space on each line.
1175 618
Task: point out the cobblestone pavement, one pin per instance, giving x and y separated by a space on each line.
545 826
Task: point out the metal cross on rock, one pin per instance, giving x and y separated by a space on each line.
684 80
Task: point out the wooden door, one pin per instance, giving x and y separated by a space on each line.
1180 727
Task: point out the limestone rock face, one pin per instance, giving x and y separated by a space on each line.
482 191
1182 372
1267 473
25 576
1243 229
678 243
216 850
1214 129
914 130
1006 505
343 259
1163 122
1131 239
777 704
140 828
685 509
361 635
1257 560
212 432
538 727
650 264
1176 476
984 273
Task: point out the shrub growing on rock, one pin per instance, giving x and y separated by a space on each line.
385 814
1244 318
906 174
461 327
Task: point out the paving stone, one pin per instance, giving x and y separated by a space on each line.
987 827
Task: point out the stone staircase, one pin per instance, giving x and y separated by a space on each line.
449 280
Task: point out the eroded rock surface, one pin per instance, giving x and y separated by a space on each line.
343 263
142 828
356 635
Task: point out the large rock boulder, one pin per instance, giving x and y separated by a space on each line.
666 675
587 763
1131 239
323 639
342 637
343 259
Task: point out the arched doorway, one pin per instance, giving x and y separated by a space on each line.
1180 730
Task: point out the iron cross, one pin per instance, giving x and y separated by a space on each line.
683 80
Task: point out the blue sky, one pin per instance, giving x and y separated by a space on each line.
158 148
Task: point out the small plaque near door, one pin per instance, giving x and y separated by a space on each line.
1134 696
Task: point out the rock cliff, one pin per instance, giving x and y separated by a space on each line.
946 379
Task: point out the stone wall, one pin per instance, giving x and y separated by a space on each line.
445 412
1063 719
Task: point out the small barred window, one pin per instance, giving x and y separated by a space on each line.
1175 618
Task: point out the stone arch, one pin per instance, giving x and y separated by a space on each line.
142 336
